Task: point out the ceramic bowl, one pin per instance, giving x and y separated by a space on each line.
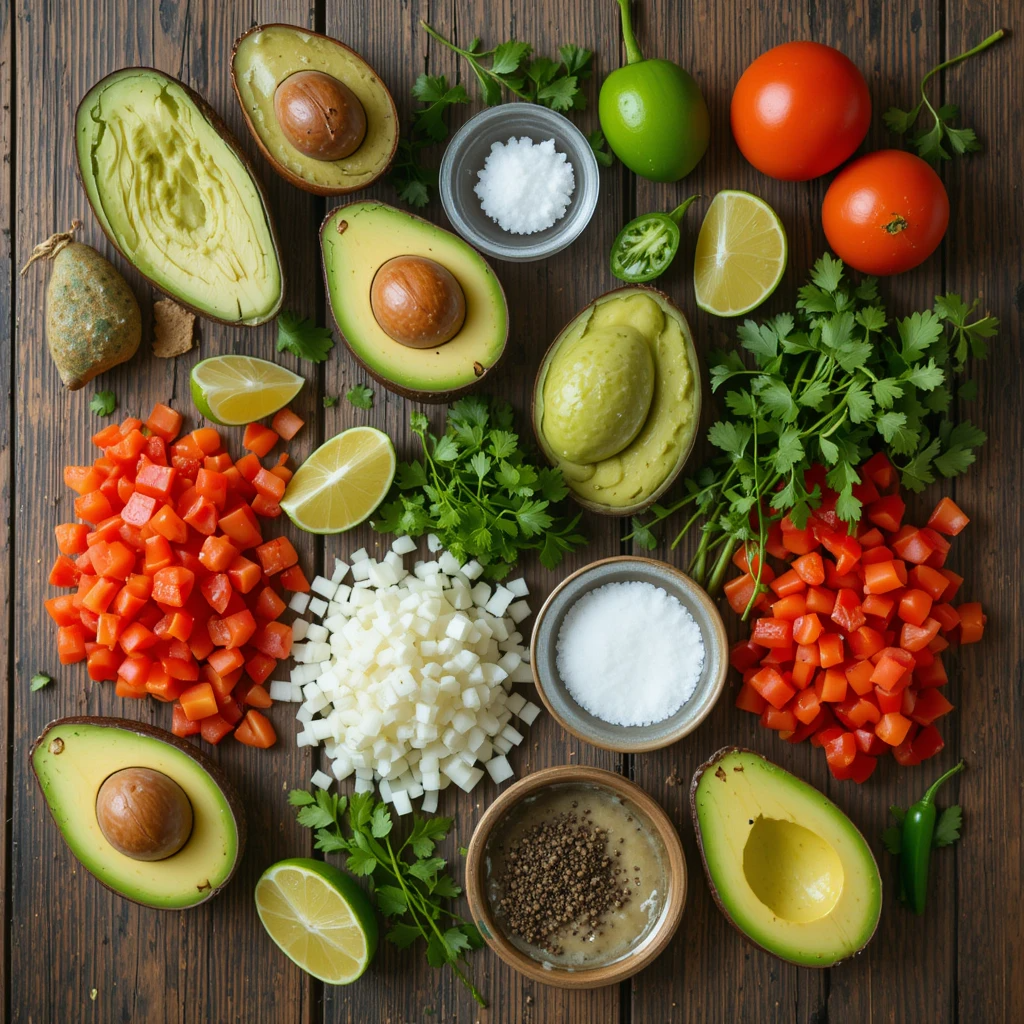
629 739
466 154
661 828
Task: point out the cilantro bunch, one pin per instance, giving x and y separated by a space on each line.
411 893
477 490
831 383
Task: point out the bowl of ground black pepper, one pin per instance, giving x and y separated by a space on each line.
576 877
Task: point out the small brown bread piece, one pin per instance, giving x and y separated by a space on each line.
417 302
319 115
173 329
143 813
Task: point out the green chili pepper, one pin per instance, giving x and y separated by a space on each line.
646 246
916 844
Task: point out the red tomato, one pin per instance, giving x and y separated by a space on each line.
885 213
800 110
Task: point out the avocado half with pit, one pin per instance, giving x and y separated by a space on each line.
785 865
318 111
616 401
149 815
417 306
177 197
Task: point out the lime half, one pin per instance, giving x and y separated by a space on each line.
319 917
741 254
342 482
234 390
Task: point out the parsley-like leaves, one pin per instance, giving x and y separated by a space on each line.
330 401
103 403
931 142
410 892
303 338
478 490
360 396
39 680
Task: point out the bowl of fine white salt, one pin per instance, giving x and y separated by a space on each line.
519 182
629 654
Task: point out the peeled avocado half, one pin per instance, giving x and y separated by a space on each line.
785 865
75 757
175 194
268 55
357 240
616 401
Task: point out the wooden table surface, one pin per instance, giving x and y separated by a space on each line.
72 951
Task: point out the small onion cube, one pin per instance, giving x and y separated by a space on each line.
499 769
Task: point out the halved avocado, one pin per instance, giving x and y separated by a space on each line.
616 401
266 56
73 759
785 865
176 196
360 238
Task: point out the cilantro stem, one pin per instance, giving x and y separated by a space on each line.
983 45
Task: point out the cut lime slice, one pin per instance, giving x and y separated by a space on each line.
342 482
319 917
239 389
741 254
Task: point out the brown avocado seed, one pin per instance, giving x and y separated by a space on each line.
320 116
417 302
143 813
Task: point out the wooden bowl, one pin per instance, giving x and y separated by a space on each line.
628 739
562 977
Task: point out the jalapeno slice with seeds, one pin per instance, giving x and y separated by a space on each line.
646 246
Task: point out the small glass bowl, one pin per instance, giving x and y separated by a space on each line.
466 154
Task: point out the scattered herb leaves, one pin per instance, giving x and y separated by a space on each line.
103 403
947 828
360 396
929 142
599 144
408 891
479 491
303 338
39 680
330 401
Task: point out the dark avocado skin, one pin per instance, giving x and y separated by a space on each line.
93 320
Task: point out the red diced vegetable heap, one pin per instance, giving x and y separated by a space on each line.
174 584
847 649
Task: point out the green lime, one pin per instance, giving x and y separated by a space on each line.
319 917
235 389
342 482
741 254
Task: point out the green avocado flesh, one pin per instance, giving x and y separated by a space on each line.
266 57
357 240
788 868
175 197
72 760
617 399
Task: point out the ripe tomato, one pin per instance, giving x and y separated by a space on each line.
800 110
885 213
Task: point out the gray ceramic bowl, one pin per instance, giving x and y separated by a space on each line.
622 738
466 154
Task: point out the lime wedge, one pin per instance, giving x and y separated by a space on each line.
239 389
342 482
741 254
319 917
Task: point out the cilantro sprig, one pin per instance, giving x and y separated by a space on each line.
478 491
408 882
360 396
929 141
103 403
303 338
39 680
831 382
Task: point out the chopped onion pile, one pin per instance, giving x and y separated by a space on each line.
407 682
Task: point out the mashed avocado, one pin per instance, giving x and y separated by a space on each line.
618 434
175 198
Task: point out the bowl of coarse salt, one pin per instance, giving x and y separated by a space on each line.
519 182
629 654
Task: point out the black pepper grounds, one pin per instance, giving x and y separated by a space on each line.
559 879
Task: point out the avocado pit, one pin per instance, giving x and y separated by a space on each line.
417 302
143 814
319 115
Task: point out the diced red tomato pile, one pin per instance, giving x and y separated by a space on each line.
847 651
174 589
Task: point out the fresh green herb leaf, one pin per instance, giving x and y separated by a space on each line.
947 828
892 839
330 401
103 403
39 680
303 338
599 144
360 396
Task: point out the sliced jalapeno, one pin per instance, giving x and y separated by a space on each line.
646 246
